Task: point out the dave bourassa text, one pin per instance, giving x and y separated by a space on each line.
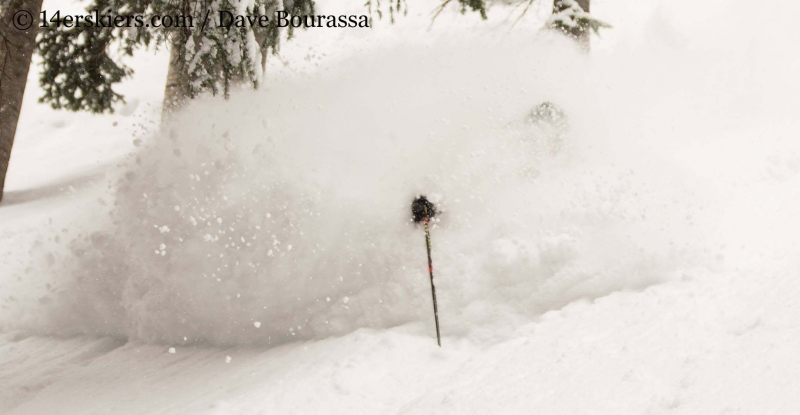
284 19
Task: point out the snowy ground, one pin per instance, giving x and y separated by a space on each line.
254 256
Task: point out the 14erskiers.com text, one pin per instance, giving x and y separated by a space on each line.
222 19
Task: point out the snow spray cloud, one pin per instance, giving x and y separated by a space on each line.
288 207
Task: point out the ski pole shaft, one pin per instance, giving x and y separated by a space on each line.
433 287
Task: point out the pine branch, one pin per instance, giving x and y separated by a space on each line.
79 72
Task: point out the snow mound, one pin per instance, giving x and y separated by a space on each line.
290 206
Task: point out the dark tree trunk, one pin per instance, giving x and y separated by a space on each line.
18 28
175 93
584 36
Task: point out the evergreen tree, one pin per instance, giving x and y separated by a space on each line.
80 71
570 17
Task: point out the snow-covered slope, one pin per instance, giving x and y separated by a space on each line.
255 256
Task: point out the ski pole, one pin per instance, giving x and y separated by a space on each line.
423 210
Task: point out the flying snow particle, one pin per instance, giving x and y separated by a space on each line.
228 359
346 300
172 350
257 324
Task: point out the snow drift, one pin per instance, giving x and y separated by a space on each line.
682 162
